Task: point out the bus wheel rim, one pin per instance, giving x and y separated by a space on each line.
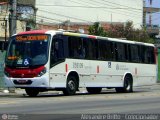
71 85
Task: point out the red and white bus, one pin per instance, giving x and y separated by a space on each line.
42 60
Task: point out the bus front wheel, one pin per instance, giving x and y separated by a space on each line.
127 87
94 90
71 86
32 92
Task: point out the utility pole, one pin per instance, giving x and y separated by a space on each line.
111 18
150 14
5 28
5 34
13 17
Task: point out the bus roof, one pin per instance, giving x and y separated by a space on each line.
63 32
33 32
107 38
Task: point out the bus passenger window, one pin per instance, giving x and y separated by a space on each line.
57 50
76 47
121 55
94 51
134 53
152 55
81 51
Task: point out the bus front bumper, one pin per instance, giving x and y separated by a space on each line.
27 82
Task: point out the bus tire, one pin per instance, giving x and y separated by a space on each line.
127 87
71 86
32 92
94 90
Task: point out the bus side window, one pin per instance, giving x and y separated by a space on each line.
102 50
52 54
142 48
86 48
112 48
145 54
82 49
57 50
108 51
93 50
141 53
152 55
76 47
129 52
121 55
115 51
73 45
134 54
126 53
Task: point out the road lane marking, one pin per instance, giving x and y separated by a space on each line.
7 102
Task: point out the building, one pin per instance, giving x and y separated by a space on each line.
25 17
70 13
152 28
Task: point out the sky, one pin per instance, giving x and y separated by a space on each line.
155 16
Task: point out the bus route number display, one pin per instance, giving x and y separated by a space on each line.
31 37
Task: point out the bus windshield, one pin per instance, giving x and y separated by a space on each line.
28 50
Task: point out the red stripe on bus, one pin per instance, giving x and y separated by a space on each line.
24 73
135 71
33 32
97 69
66 67
91 36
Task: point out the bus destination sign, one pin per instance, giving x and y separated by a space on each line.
31 37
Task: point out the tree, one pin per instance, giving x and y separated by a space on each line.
141 35
126 31
116 31
129 30
96 29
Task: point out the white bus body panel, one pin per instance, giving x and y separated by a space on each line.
92 74
102 73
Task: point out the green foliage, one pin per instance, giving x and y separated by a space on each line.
97 30
126 31
116 31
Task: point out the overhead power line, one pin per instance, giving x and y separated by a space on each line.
66 16
129 10
95 3
58 20
135 9
101 7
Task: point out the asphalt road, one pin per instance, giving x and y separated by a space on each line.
145 100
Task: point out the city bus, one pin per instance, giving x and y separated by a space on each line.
43 60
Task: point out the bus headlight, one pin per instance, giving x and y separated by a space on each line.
42 72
